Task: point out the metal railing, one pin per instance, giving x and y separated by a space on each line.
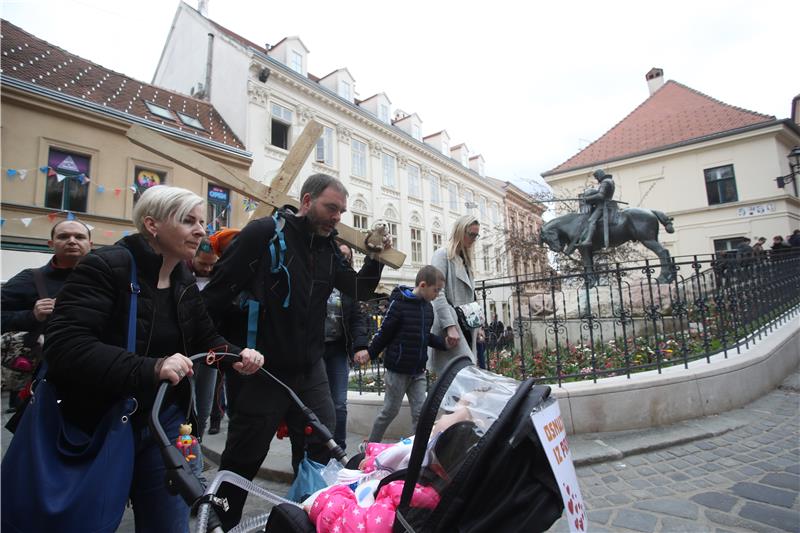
569 328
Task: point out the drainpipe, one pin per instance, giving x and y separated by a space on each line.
209 60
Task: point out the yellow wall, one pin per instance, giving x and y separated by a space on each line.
31 125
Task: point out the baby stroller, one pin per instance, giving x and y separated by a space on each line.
476 447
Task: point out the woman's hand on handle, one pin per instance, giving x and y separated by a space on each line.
452 337
251 361
174 368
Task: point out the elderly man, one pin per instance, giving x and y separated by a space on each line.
283 269
29 297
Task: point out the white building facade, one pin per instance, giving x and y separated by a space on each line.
416 185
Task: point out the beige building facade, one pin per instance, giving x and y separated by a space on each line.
709 165
65 154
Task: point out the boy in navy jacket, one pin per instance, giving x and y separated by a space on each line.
405 335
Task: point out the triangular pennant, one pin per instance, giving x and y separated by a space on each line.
108 233
2 221
117 190
86 179
26 221
51 173
44 169
68 164
60 177
126 233
22 174
70 215
52 216
133 188
11 172
101 189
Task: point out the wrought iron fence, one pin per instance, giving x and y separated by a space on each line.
573 327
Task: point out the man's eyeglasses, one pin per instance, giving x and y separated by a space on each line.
473 235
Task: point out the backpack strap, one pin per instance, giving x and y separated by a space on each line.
38 280
277 250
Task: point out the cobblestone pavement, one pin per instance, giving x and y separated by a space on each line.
747 479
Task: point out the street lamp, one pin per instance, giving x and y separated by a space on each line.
794 170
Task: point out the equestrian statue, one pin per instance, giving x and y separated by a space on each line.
601 224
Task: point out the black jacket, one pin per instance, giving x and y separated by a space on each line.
291 338
19 295
85 342
354 327
405 333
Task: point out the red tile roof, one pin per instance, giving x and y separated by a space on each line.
34 61
673 114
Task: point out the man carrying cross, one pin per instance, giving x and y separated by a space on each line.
282 269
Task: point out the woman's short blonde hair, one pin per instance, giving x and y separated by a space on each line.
162 202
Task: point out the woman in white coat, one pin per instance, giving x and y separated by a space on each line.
456 261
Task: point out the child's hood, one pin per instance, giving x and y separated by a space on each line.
403 292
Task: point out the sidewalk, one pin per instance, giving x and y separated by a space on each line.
586 448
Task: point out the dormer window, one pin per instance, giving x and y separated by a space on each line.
296 61
159 111
416 132
464 158
383 113
445 148
345 90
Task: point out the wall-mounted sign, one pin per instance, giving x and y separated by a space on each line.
218 194
755 210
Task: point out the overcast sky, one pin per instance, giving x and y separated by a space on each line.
524 84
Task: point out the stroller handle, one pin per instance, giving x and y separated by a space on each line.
180 479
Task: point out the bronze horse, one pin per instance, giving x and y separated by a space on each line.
633 224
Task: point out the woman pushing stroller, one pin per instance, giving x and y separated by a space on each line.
85 351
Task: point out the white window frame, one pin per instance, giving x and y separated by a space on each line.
358 158
482 207
416 132
296 61
436 239
486 258
360 221
416 245
389 166
414 181
452 190
436 190
383 112
345 90
324 151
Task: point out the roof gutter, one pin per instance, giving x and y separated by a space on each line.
719 135
104 110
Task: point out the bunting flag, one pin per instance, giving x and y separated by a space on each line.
52 216
2 221
101 189
60 177
11 173
26 221
70 215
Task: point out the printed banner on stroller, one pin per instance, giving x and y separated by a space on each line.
550 429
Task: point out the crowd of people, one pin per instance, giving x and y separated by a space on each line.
281 293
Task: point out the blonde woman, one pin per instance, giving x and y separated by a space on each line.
456 261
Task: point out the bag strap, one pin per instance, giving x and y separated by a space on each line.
38 280
135 290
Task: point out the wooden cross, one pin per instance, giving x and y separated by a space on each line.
269 197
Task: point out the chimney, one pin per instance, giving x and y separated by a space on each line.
202 7
655 79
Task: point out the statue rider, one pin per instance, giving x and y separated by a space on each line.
597 199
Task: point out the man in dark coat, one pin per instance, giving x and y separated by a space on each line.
291 291
23 307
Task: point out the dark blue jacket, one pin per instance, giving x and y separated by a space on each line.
405 333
